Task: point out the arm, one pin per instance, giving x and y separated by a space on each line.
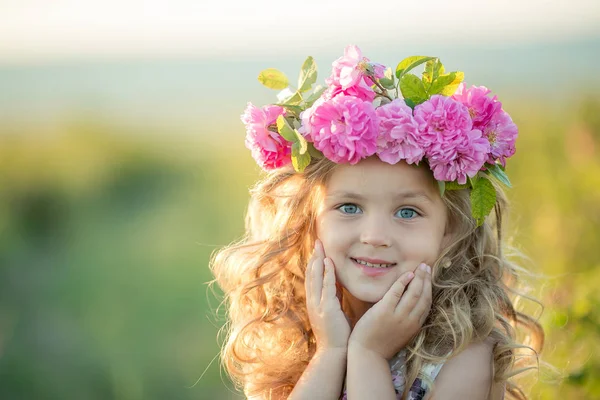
369 375
468 375
323 377
382 331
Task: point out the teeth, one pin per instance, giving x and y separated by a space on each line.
368 264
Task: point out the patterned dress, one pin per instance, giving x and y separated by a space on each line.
419 388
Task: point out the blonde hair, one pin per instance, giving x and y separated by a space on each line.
269 341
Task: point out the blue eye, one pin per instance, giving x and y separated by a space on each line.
349 208
407 213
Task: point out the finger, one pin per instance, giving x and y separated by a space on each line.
413 292
394 294
308 275
423 306
317 274
329 290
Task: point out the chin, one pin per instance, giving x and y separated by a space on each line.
367 295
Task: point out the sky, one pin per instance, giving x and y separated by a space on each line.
38 30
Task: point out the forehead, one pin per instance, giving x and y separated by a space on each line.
375 177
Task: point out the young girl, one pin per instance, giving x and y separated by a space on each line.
372 265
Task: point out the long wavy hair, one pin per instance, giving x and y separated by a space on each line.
268 338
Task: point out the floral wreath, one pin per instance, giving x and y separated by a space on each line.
462 134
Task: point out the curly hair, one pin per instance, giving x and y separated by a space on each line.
269 341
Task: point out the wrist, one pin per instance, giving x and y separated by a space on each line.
359 351
331 351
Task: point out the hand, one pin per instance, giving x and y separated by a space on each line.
393 321
328 321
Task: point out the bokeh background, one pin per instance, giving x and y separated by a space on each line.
123 167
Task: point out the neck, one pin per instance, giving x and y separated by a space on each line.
353 307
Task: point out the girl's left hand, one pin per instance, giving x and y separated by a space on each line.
393 321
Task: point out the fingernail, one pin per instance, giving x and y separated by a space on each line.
410 275
428 269
423 267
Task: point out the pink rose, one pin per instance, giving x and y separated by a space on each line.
305 117
344 128
453 148
349 75
268 148
470 156
481 107
398 134
501 133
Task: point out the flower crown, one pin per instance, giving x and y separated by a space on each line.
462 134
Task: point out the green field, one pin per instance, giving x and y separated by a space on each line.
106 234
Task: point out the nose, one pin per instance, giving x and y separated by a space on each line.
375 231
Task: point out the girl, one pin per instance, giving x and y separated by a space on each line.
373 265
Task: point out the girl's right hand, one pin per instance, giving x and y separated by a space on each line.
328 321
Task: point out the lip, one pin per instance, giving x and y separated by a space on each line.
373 260
372 271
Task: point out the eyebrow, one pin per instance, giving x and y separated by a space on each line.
400 195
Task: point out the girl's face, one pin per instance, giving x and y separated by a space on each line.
382 214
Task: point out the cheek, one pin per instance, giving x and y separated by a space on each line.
325 232
422 246
335 238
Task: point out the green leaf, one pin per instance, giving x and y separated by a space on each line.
314 153
441 82
483 198
291 135
442 187
388 80
308 75
410 103
412 88
433 69
498 173
294 100
273 79
456 186
315 95
301 140
451 87
295 110
299 160
409 63
285 130
473 180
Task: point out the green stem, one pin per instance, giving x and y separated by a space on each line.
383 90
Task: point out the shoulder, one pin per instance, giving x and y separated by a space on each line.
469 374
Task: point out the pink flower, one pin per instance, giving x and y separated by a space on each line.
344 128
268 148
481 107
453 148
305 117
349 75
471 155
501 133
398 134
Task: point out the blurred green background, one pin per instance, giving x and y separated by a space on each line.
120 176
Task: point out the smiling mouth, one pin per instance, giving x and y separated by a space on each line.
373 265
